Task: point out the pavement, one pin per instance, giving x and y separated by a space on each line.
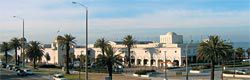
171 75
6 74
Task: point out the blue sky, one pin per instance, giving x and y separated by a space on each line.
113 19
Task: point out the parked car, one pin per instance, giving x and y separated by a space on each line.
59 77
4 65
246 60
15 68
241 71
28 72
9 67
21 73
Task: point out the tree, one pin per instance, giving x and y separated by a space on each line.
24 44
128 41
72 58
66 42
47 57
101 43
110 59
82 59
239 53
9 57
15 44
5 47
248 53
214 50
34 52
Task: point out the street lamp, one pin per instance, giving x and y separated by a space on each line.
86 61
23 39
80 65
234 64
187 58
165 52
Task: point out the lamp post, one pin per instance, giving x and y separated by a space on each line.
80 65
187 58
86 61
22 40
165 52
234 64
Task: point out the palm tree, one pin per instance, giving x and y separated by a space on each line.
240 53
9 57
24 44
82 59
101 43
248 53
128 41
66 42
72 58
15 44
47 57
214 50
5 47
34 52
110 59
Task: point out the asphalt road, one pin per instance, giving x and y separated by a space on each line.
6 74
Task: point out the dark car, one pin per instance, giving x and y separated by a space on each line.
4 65
10 67
21 73
15 68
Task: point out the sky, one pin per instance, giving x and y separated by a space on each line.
146 20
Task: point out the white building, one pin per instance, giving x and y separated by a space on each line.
144 53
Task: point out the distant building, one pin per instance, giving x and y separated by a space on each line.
143 53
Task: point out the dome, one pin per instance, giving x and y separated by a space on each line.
171 33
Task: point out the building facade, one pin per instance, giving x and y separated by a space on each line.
170 49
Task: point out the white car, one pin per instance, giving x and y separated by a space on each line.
28 72
59 77
246 60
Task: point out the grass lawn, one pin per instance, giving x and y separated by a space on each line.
45 71
92 76
101 76
241 64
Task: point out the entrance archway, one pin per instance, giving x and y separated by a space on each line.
145 62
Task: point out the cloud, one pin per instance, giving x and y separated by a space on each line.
179 18
44 17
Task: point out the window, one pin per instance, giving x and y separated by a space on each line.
165 51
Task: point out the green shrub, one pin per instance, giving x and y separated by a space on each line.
201 67
232 72
144 72
49 66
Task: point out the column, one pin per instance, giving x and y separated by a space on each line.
123 61
156 63
142 62
135 62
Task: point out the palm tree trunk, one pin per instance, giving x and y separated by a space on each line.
129 61
212 72
222 69
34 63
248 55
67 58
16 57
103 52
6 57
110 71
